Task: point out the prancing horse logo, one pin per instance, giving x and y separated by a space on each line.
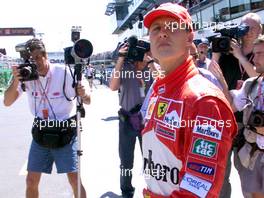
162 107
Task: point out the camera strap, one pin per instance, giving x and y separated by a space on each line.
250 90
64 84
260 96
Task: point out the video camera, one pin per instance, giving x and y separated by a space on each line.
222 43
136 49
28 70
81 50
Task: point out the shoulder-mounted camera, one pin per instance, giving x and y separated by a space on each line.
136 49
222 43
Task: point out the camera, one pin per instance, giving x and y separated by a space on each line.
28 70
82 48
136 49
256 119
222 43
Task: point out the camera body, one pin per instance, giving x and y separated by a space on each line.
222 43
256 119
136 49
28 70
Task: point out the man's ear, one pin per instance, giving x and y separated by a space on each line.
190 37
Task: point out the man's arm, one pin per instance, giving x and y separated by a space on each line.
86 98
249 68
207 147
217 72
12 93
116 74
115 77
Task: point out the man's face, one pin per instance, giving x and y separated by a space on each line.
259 57
39 58
168 41
254 30
202 49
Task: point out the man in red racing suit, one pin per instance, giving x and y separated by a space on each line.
190 125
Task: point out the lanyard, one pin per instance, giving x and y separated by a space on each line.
44 94
241 68
44 91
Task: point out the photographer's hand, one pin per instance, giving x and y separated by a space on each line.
237 52
16 74
123 51
115 77
215 69
236 49
80 90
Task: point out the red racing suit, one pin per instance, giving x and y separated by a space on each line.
187 136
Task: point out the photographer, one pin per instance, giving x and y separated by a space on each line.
50 104
89 74
128 77
249 155
237 66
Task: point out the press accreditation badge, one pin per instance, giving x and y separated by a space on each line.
151 106
45 113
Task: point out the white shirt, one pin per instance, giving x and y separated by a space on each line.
240 102
52 83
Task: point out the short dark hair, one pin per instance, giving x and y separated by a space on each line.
35 44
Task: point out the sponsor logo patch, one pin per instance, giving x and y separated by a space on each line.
162 107
56 93
208 127
195 185
161 89
150 108
169 112
165 132
203 169
159 170
204 148
173 117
